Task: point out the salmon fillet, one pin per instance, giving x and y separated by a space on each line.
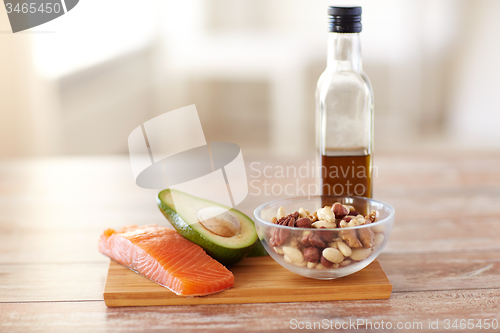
165 257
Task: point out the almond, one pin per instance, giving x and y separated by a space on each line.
303 223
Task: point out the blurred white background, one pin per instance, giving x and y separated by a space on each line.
81 83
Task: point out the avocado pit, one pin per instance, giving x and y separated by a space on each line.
219 221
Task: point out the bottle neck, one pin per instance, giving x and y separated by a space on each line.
344 52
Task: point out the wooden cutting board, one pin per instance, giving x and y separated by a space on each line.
257 280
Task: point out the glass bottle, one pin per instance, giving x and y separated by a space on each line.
344 111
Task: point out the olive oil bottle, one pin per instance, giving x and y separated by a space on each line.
344 111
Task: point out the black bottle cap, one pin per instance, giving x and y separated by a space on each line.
344 19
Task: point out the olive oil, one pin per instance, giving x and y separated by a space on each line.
344 112
346 175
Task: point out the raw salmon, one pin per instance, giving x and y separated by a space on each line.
165 257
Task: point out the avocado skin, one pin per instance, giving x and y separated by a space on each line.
225 256
258 250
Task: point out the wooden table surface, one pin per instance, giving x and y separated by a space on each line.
443 257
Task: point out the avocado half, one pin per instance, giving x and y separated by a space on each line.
183 215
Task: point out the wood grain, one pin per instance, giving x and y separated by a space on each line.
52 282
446 234
442 257
257 280
28 246
442 271
406 272
268 317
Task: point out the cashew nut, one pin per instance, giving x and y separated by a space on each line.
281 213
278 250
349 207
300 264
333 244
326 214
302 212
328 225
346 262
311 264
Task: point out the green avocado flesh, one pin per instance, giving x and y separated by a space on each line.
184 218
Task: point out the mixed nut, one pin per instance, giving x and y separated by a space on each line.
325 249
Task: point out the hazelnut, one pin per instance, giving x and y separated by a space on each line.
326 263
313 240
339 210
326 236
311 254
303 223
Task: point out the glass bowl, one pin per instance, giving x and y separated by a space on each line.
292 247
